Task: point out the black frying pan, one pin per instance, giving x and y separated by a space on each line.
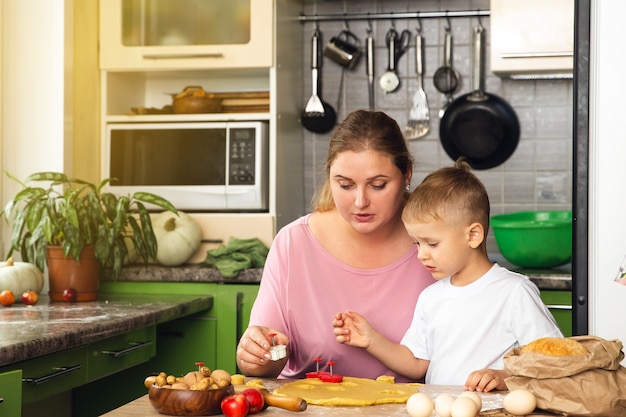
481 127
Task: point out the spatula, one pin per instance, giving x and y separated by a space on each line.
314 106
419 117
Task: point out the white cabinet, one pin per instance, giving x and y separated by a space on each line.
185 34
532 38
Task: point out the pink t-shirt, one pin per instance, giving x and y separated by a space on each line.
303 287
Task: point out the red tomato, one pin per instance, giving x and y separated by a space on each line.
30 297
256 402
7 298
235 406
69 294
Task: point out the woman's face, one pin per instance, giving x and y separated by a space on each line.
368 189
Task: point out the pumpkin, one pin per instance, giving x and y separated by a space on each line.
19 277
178 237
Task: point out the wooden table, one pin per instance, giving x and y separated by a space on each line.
141 407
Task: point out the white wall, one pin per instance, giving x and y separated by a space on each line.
607 136
32 85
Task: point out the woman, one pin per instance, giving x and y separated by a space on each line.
352 252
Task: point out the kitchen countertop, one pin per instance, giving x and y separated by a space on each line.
142 407
546 279
48 326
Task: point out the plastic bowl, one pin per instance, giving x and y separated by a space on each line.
534 239
177 402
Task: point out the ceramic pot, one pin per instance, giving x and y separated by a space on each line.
65 272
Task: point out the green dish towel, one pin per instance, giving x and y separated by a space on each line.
238 255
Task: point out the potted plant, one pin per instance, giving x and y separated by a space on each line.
79 217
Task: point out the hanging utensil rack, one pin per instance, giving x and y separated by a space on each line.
392 16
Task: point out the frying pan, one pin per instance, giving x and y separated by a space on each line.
316 121
481 127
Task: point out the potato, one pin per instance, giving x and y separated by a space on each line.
201 385
180 385
149 381
161 380
171 379
221 377
192 377
205 371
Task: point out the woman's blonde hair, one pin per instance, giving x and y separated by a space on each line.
364 130
452 192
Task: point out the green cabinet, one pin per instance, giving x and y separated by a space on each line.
11 393
210 337
560 305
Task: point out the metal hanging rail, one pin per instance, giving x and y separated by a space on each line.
392 16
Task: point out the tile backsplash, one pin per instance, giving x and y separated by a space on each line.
537 176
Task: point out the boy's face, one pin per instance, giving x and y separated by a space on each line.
443 247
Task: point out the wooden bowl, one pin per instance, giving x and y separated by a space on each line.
178 402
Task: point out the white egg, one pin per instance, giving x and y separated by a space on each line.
463 407
475 397
443 404
420 405
520 402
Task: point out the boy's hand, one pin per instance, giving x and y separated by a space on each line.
352 329
485 380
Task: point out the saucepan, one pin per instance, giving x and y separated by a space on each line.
481 127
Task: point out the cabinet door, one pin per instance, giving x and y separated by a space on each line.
532 38
11 393
51 374
233 304
186 34
560 305
121 352
183 342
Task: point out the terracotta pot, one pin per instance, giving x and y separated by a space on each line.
65 272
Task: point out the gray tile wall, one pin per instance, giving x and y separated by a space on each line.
538 175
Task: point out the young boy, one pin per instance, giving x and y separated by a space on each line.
477 311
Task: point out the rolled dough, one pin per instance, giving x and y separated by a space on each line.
351 391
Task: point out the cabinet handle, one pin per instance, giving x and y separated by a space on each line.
182 56
133 346
60 371
558 307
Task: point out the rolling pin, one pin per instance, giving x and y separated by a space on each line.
286 403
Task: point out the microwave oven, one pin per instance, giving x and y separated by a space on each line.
199 166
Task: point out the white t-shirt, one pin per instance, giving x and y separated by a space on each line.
464 329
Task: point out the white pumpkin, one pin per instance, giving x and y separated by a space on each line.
178 237
19 277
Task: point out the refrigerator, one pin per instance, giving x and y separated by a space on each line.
599 195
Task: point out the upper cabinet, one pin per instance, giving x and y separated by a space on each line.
185 34
532 38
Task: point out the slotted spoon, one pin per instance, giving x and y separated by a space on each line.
419 117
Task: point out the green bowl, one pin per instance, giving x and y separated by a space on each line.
534 239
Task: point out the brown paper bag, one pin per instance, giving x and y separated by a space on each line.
576 385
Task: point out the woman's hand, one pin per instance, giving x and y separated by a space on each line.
253 352
485 380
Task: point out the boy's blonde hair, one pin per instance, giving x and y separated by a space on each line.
452 194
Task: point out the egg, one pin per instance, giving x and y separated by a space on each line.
475 397
463 407
443 404
420 405
520 402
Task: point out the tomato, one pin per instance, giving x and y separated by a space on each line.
256 402
235 406
7 298
69 294
30 297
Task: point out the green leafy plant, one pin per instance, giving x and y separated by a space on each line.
73 213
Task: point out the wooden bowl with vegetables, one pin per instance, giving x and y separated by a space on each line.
197 393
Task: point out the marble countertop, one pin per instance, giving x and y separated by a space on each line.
546 279
48 326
